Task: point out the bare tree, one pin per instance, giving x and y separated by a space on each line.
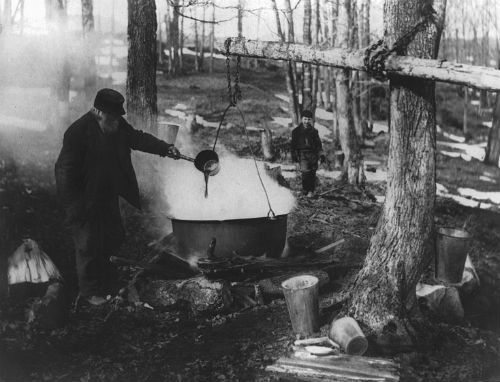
7 15
202 47
397 252
141 65
212 39
364 88
90 70
493 147
292 68
175 39
353 171
307 96
196 41
293 103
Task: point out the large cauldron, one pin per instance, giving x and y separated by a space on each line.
246 237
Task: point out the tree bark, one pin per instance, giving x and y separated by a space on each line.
355 85
364 85
90 74
292 67
396 255
293 102
471 75
202 47
212 40
353 171
175 39
493 147
196 43
181 41
141 65
307 96
241 6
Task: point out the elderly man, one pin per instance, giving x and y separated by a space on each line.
307 149
94 168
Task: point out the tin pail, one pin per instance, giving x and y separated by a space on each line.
452 247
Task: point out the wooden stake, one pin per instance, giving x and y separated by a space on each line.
436 70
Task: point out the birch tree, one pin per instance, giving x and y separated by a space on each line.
353 171
398 248
364 97
141 64
307 97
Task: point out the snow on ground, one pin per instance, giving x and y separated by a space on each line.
380 126
453 137
104 60
120 51
480 195
487 179
476 151
9 122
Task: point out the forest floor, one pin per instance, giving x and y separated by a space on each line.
140 344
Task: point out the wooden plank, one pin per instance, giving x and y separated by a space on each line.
348 367
480 77
329 246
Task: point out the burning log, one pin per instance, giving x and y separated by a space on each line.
203 296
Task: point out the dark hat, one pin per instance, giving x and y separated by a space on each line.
109 101
307 113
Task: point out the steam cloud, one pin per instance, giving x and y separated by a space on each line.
234 193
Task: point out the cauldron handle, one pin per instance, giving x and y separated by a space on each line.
271 215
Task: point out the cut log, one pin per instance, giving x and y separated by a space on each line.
338 368
436 70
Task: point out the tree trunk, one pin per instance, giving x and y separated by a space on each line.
493 148
56 13
240 17
180 40
90 75
212 40
307 96
398 247
141 64
364 86
290 85
112 41
353 158
175 39
355 86
202 47
292 67
196 43
160 40
168 40
266 143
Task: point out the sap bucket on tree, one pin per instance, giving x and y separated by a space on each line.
168 132
301 296
452 246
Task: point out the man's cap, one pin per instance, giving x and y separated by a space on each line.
307 113
109 101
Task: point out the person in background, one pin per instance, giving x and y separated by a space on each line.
306 149
93 169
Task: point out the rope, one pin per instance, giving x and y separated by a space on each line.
375 64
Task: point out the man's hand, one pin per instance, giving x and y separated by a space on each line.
173 152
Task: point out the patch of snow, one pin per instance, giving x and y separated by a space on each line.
454 137
480 195
475 102
7 121
118 51
180 106
487 179
176 113
323 132
380 198
380 126
475 151
282 121
440 189
282 97
454 154
328 174
378 176
469 202
323 114
488 124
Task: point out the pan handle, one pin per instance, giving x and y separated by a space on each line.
186 158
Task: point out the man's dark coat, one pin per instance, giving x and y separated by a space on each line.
84 164
305 140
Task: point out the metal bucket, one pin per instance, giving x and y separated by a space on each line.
245 237
301 296
452 247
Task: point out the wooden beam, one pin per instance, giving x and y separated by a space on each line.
480 77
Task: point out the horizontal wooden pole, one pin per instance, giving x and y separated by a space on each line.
480 77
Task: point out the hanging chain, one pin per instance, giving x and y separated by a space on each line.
233 95
375 63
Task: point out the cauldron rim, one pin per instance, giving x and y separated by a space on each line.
282 216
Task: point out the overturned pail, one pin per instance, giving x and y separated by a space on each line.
168 132
301 296
452 246
346 332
